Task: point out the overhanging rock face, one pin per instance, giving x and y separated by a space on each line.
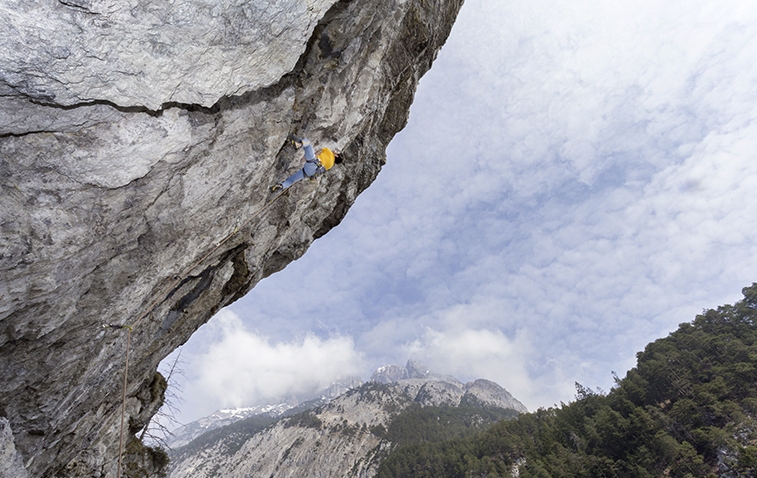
149 53
138 140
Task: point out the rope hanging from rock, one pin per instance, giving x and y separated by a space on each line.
123 398
176 282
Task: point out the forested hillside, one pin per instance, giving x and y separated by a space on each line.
686 410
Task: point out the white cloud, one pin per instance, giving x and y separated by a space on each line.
242 368
576 179
482 353
624 102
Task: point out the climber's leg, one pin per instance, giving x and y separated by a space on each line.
310 168
299 175
309 153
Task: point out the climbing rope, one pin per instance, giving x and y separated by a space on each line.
176 282
123 398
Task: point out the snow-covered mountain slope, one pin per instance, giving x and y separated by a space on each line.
221 418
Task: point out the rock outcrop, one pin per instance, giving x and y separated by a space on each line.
434 389
137 144
485 393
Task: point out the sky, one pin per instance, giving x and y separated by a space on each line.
576 179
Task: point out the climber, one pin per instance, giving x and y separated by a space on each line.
314 163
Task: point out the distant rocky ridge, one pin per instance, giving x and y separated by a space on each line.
221 418
431 388
185 434
345 437
395 373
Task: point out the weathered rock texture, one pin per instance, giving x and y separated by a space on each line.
149 53
135 138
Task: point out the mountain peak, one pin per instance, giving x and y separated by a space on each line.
431 388
416 369
394 373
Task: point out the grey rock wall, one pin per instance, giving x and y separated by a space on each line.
137 144
150 52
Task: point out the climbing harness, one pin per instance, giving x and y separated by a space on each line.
176 282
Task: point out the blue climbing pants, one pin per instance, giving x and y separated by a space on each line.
308 170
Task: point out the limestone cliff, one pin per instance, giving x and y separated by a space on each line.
138 140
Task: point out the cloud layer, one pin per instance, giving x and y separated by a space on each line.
575 181
242 368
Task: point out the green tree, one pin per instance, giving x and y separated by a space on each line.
684 411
